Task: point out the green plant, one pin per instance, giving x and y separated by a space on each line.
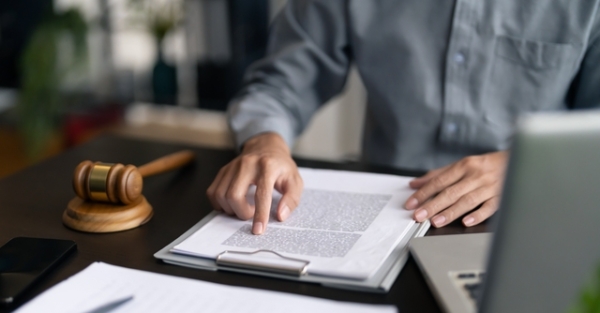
589 299
41 103
158 17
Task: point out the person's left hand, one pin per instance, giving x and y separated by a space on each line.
447 193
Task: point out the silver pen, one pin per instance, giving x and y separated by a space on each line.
107 307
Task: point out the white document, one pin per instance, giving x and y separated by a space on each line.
101 283
346 225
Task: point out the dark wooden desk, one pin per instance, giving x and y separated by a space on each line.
32 201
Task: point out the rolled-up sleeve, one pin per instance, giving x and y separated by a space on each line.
307 63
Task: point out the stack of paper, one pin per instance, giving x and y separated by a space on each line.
346 226
101 283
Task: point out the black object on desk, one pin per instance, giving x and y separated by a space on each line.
179 201
24 261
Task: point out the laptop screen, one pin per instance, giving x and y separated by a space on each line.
546 244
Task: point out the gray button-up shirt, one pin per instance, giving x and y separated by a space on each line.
444 79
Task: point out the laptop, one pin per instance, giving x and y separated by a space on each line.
545 246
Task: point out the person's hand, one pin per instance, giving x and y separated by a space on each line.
266 162
447 193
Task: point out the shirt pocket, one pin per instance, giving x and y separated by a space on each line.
529 76
525 76
535 54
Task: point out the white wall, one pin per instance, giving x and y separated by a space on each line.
335 133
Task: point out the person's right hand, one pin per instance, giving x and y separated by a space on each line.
266 162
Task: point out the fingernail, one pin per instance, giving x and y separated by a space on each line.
257 228
284 213
468 221
412 203
438 220
420 215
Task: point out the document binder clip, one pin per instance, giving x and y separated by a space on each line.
244 260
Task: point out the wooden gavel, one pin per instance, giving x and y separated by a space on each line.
118 183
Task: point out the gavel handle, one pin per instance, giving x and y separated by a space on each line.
166 163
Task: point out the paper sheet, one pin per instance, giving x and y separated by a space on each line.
346 225
101 283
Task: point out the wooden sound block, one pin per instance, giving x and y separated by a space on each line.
96 217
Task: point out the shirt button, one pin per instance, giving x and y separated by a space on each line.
459 58
451 128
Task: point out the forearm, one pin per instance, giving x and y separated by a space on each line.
305 66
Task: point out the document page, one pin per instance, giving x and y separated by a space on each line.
346 225
100 284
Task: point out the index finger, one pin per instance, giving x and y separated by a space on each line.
263 199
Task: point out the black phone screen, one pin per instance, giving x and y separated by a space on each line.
24 260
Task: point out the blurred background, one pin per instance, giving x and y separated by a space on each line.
157 69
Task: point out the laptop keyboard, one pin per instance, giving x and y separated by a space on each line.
469 282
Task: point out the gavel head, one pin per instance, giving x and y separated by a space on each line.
105 182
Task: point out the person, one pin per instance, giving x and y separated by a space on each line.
445 81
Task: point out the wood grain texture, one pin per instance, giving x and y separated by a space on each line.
167 163
124 183
94 217
80 179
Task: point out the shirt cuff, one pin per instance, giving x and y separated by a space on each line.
257 114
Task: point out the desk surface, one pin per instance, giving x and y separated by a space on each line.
32 202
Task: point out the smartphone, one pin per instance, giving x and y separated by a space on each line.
23 261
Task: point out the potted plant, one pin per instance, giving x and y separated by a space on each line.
589 299
159 18
56 48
